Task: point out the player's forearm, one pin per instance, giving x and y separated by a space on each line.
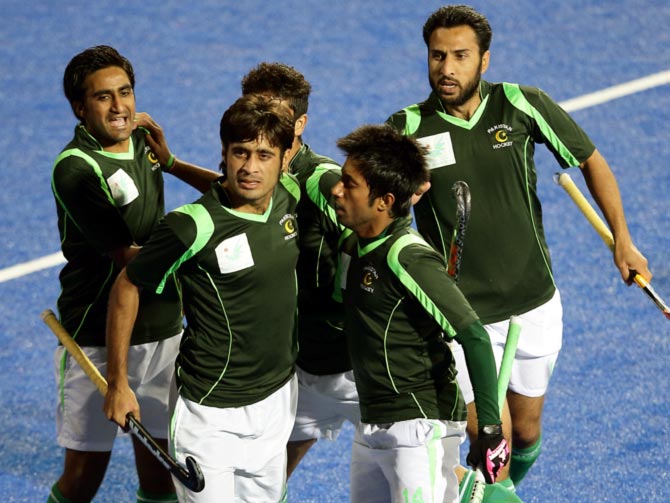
482 370
605 191
199 178
121 315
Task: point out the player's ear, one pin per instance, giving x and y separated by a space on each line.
300 125
386 202
78 109
486 58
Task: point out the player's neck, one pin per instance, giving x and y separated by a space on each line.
466 110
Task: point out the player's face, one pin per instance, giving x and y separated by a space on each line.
455 65
252 171
352 200
108 108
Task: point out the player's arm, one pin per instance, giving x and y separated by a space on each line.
81 192
153 265
605 191
199 178
124 301
428 281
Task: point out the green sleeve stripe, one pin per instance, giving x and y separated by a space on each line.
315 195
411 285
412 119
291 184
519 101
204 230
96 169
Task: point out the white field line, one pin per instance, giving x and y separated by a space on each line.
19 270
571 105
618 91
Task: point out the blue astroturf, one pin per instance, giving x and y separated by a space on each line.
606 421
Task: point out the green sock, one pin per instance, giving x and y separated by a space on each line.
147 497
55 496
500 493
522 460
507 484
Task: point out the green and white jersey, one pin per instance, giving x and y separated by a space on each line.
237 272
322 345
399 302
106 201
506 268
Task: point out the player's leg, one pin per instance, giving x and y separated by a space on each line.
82 429
151 371
295 451
261 476
367 481
81 478
325 402
527 435
418 458
537 353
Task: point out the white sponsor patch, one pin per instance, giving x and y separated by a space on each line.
123 188
440 150
234 254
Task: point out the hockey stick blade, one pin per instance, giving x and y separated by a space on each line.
565 181
461 193
192 476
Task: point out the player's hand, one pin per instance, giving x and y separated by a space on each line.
425 187
630 262
119 401
155 139
489 452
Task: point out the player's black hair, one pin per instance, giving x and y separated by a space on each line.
389 162
281 81
451 16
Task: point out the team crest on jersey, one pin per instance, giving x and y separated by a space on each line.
151 157
368 279
289 225
500 135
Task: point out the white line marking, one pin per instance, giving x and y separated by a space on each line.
618 91
19 270
571 105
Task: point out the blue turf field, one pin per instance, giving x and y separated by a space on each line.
607 425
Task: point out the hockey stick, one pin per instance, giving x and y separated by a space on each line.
564 180
513 333
461 192
191 476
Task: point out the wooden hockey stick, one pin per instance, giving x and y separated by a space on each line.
191 476
564 180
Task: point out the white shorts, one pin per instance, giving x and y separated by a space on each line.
241 450
325 402
80 421
540 342
406 461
